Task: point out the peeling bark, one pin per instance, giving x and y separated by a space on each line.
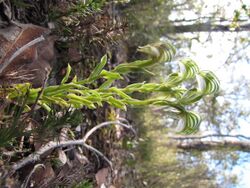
26 54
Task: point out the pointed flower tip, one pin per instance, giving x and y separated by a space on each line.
208 82
189 123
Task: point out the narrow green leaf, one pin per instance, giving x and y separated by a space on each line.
135 85
74 79
45 106
116 103
120 93
110 75
98 68
107 84
190 97
66 77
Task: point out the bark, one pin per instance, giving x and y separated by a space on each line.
196 142
26 54
206 27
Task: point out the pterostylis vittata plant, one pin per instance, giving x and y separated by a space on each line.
171 93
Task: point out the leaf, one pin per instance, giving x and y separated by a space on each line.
127 67
74 79
190 97
120 93
61 89
106 84
18 90
110 75
45 106
66 77
116 103
76 100
98 69
7 134
140 64
60 101
135 85
149 87
149 72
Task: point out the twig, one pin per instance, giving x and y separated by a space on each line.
25 184
123 119
99 153
36 156
40 93
91 131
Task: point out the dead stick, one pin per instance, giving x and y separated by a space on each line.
91 131
36 156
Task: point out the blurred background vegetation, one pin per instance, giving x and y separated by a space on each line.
215 35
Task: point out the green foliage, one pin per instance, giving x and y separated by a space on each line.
171 93
21 4
53 122
85 7
79 8
238 14
11 125
84 184
144 23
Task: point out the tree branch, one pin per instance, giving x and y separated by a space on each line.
36 156
47 148
89 133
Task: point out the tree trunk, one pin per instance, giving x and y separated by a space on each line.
196 143
206 27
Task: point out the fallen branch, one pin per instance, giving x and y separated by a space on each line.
210 145
238 136
36 156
